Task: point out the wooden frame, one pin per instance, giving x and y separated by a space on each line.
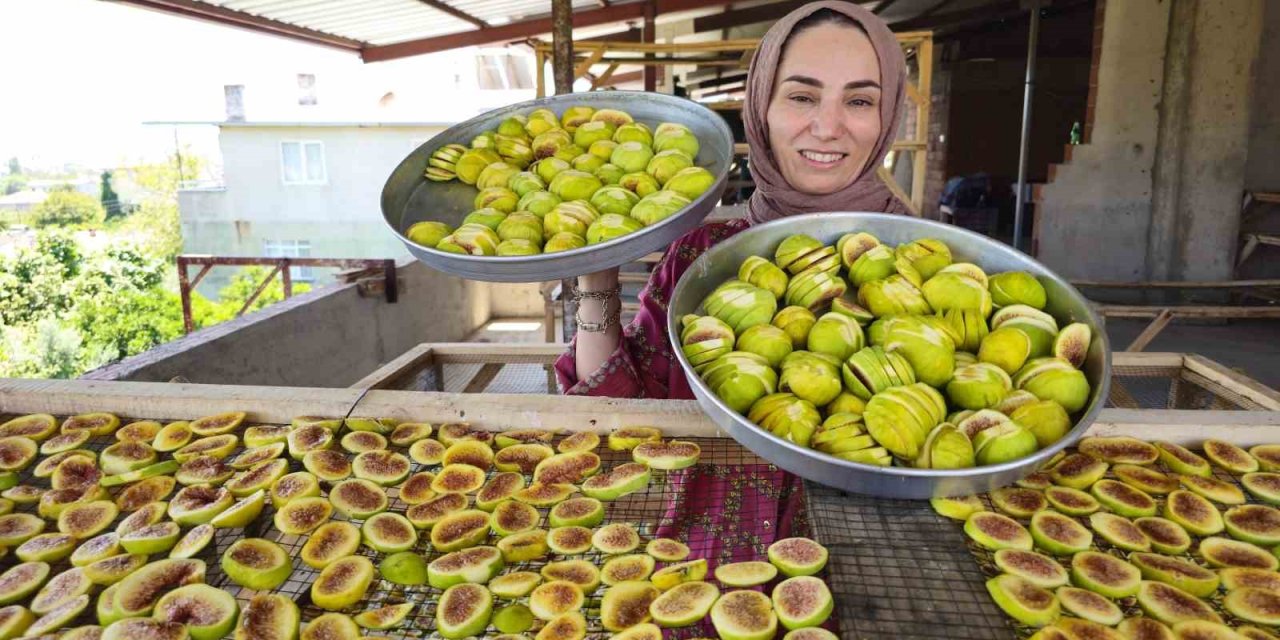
737 54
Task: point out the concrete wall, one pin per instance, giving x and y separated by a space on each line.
341 218
330 337
1262 171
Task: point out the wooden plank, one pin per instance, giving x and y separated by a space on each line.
509 353
1152 359
1189 427
887 179
1235 381
1264 196
1121 397
1151 331
1220 284
920 166
585 66
1204 311
483 377
409 362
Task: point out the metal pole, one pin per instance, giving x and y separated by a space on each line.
1032 39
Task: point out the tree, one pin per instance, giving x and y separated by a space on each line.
110 201
233 296
15 167
66 207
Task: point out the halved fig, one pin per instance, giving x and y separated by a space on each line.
407 433
266 434
208 613
142 492
568 541
1119 450
203 470
463 610
628 568
628 438
1023 601
460 529
75 472
139 591
1072 502
522 458
389 533
256 563
1204 630
959 507
1225 552
1089 606
1119 531
217 424
1038 480
23 494
1193 513
579 512
744 615
376 425
1078 471
500 487
416 489
1180 459
173 436
667 550
458 478
199 503
63 614
567 468
1105 574
555 598
580 572
64 442
515 437
477 564
1172 605
1231 458
18 452
14 619
671 455
1036 568
37 426
257 478
152 539
1267 455
141 431
687 603
427 452
327 464
46 547
513 619
1262 485
96 548
358 499
802 601
193 542
303 515
219 447
580 441
1059 534
617 482
99 424
476 454
524 546
149 471
388 617
626 604
681 572
516 584
1183 574
1018 502
404 567
22 580
1236 577
997 531
151 629
332 540
62 587
342 583
1250 632
88 519
540 494
114 569
427 514
362 441
251 457
511 517
815 633
1167 536
268 616
303 440
452 432
1255 523
1213 489
299 484
1141 628
1123 499
615 538
47 465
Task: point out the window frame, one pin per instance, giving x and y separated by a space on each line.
302 150
296 273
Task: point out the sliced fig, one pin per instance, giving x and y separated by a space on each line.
389 533
511 517
555 598
216 446
416 489
615 538
47 465
1172 605
404 567
173 436
1078 471
63 614
1119 531
268 616
500 487
148 628
539 494
1123 499
305 439
626 604
1059 534
452 432
516 584
207 613
139 591
810 633
256 563
1267 455
744 615
1036 568
66 442
1213 489
1250 632
568 541
427 452
1180 459
96 548
1167 536
427 514
1264 486
362 441
358 499
75 472
303 515
198 504
259 477
802 601
567 468
141 431
476 454
1255 523
1089 606
14 619
299 484
617 482
114 569
513 619
522 458
23 494
1105 574
376 425
1038 480
514 437
1225 552
1072 502
407 433
17 528
217 424
997 531
687 603
18 452
628 438
1229 457
37 426
152 539
580 441
88 519
1141 628
1204 630
331 541
667 550
46 547
142 492
1072 345
342 583
331 626
60 588
193 542
1184 574
203 470
22 580
458 478
580 512
628 568
388 617
681 572
669 455
1018 502
524 546
1193 513
1119 450
1236 577
99 424
463 610
958 508
580 572
477 564
327 464
460 529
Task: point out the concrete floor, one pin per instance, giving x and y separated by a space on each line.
1250 346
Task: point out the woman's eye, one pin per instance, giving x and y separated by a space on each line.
860 102
801 99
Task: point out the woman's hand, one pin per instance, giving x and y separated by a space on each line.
594 348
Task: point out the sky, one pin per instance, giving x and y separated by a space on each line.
81 77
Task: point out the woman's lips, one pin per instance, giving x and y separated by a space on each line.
821 159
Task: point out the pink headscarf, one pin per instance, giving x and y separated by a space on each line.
774 197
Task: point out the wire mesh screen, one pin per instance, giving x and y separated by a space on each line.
1172 388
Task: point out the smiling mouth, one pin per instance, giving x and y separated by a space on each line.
822 157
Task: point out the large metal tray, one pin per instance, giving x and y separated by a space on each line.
408 197
721 262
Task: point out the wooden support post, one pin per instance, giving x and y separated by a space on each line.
483 377
562 45
540 63
1161 321
184 289
650 72
257 292
603 79
920 158
286 278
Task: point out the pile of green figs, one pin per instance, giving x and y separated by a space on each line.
890 355
549 183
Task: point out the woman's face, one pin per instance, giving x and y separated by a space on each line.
824 117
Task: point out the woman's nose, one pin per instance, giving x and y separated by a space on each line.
827 120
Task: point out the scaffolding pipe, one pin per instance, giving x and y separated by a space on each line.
1029 90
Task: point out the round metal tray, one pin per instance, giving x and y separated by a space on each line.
408 197
721 263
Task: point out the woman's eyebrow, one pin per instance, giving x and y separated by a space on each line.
814 82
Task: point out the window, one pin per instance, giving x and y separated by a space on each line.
291 249
302 162
503 71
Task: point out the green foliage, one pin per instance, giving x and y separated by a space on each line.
15 167
110 200
158 219
13 183
163 179
67 207
232 297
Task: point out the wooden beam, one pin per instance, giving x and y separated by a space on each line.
1219 284
1202 311
457 13
1236 382
242 20
602 80
526 28
408 363
483 377
1189 427
1148 334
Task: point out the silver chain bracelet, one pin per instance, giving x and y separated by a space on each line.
605 297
